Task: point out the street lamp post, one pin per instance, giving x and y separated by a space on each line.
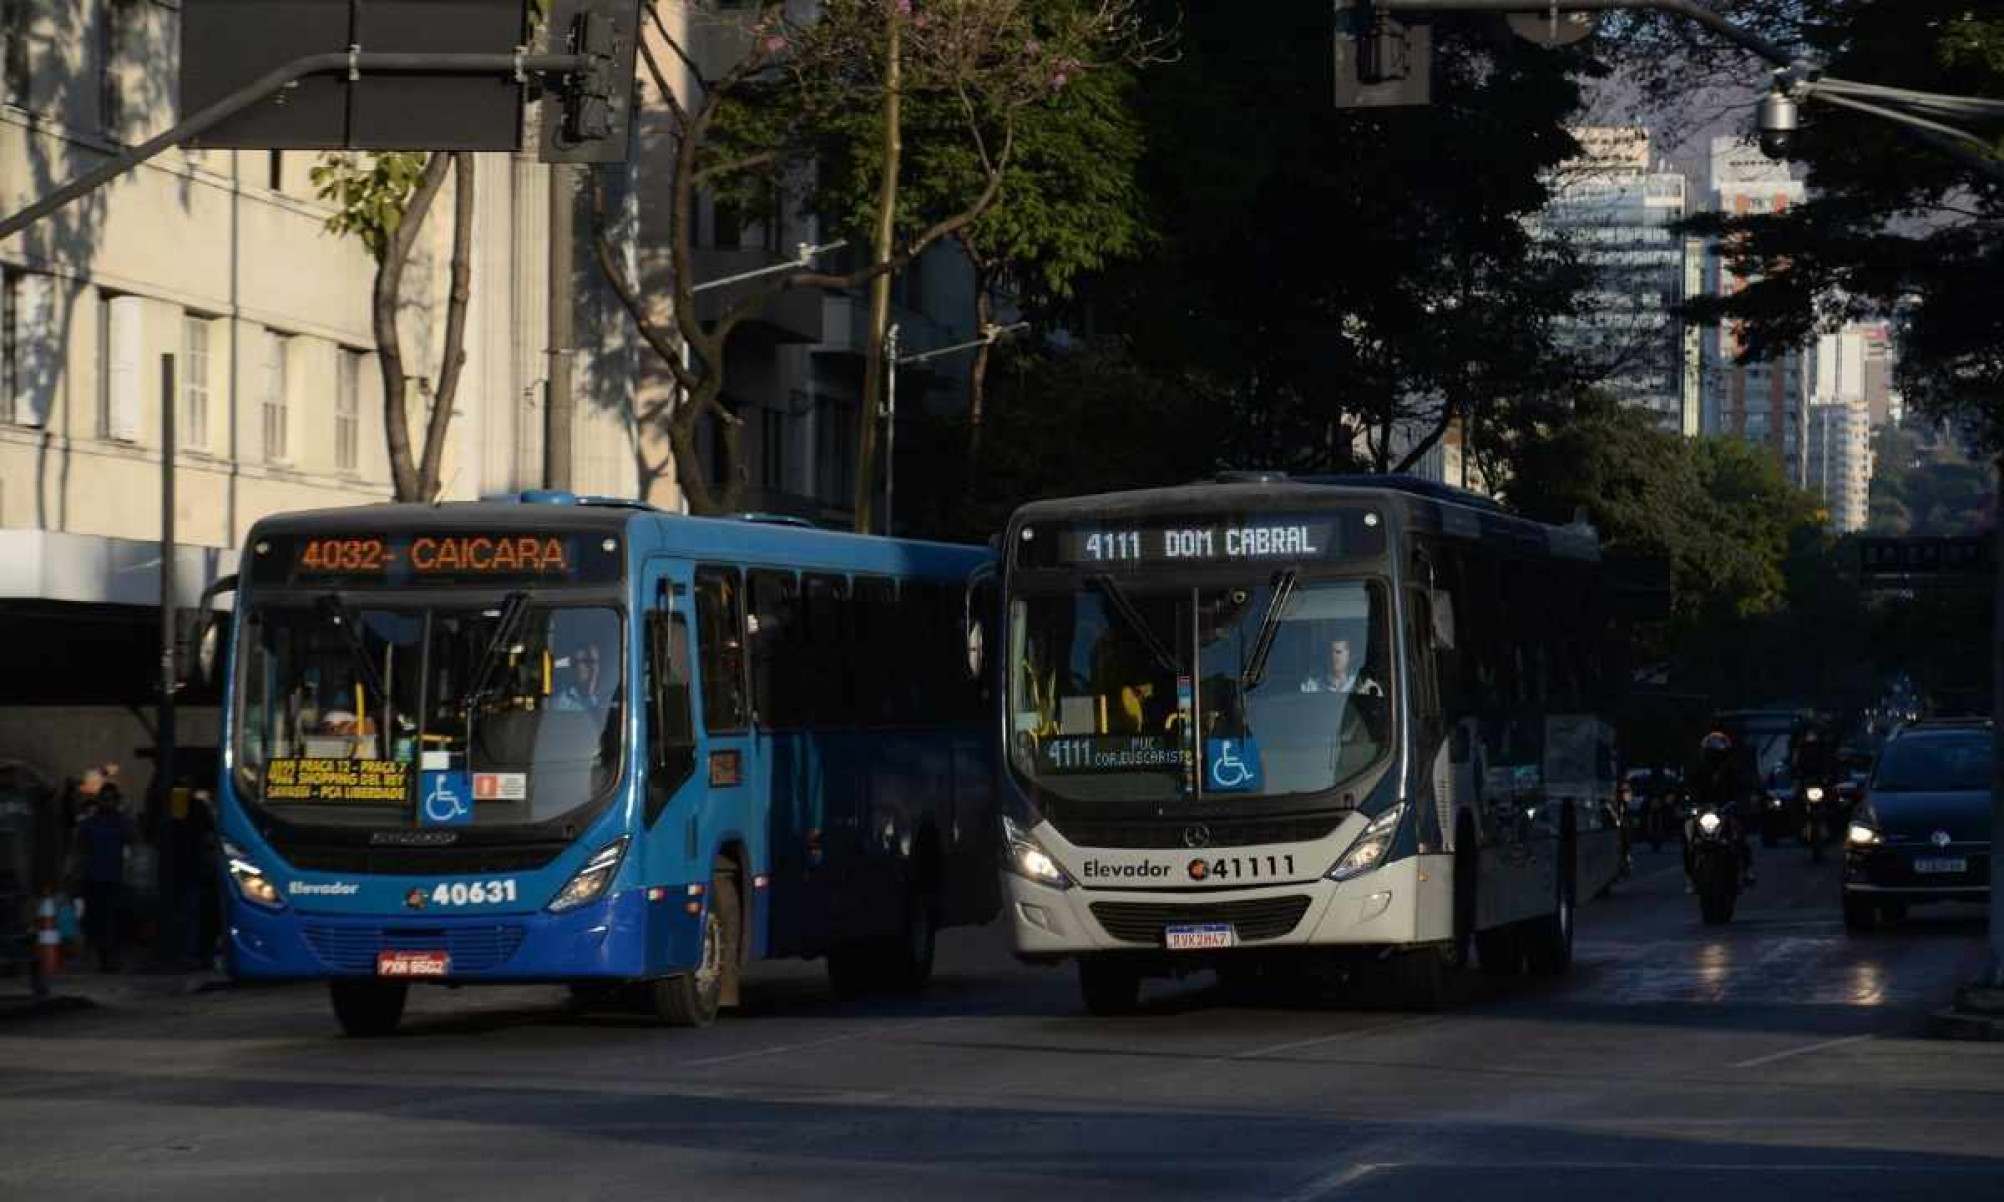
989 335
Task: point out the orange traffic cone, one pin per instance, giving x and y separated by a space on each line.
48 943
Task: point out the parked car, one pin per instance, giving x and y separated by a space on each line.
1921 833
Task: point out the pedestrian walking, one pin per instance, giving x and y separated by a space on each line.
104 836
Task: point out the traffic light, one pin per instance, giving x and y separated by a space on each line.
588 114
1382 60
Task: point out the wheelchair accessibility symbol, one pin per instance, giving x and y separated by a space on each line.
447 799
1232 765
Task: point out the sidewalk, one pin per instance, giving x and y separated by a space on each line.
80 990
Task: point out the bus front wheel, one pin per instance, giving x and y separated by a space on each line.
1108 986
367 1009
692 998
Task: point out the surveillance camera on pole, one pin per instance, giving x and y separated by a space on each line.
1777 121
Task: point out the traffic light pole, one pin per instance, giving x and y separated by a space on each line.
353 62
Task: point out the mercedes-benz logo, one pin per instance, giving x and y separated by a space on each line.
1196 835
1940 839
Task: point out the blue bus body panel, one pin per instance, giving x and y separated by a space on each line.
819 823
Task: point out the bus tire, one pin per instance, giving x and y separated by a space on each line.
1418 979
1549 945
1108 986
368 1009
907 956
1501 951
691 999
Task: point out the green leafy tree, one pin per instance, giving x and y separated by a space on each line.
383 200
1892 224
759 130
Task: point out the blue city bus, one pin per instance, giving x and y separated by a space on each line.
562 739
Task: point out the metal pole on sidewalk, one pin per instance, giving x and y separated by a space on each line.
890 421
171 874
559 406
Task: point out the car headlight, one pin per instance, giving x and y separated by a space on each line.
251 882
1860 835
1773 802
593 879
1371 847
1023 856
1709 822
1813 793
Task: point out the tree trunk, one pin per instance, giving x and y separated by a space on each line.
880 287
389 343
454 356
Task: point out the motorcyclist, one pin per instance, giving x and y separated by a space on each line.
1720 783
1814 764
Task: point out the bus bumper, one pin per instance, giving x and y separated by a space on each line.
626 937
1405 902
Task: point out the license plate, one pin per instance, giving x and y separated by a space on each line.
1942 864
412 964
1200 937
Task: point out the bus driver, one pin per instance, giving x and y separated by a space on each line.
1342 675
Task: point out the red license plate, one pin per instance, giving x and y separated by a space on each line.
412 964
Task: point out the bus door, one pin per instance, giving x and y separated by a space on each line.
731 768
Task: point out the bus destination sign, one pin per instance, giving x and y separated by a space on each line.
442 557
1222 540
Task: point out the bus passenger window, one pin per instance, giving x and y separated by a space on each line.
823 635
777 671
670 731
720 642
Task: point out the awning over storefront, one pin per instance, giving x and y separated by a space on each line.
89 569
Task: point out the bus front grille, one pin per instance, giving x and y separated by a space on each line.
1218 832
473 949
1143 922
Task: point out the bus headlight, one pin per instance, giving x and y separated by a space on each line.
1022 856
1708 822
1371 847
593 879
251 882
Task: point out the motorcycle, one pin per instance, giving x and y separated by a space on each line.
1714 861
1820 823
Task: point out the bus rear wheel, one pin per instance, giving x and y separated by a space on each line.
1109 986
368 1009
692 999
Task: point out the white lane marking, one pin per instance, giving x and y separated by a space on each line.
780 1049
1804 1050
1335 1182
1340 1036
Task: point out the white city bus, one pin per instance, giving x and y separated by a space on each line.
1257 715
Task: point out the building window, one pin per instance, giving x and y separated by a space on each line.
14 22
727 224
773 431
276 443
193 419
29 361
123 341
275 171
347 409
835 451
114 21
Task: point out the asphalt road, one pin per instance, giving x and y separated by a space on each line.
1777 1058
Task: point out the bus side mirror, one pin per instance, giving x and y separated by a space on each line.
975 600
209 649
976 649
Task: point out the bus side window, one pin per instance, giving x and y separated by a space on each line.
777 671
875 649
671 734
823 637
720 641
1419 641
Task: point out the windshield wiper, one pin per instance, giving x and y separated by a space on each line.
1269 627
337 612
513 608
1132 616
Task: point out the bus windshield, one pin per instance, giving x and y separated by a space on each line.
337 701
1125 692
